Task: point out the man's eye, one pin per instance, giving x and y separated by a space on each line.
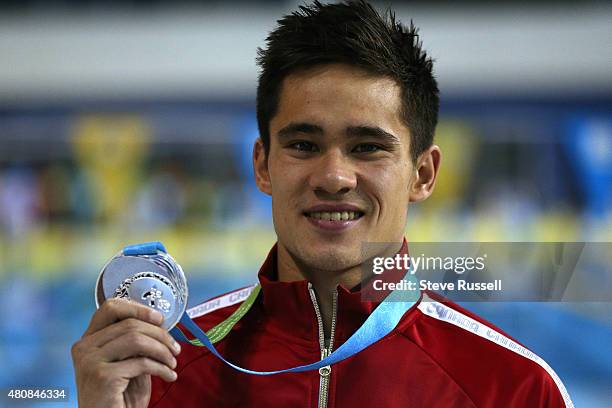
304 146
366 148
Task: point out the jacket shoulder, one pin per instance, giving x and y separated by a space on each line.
219 307
210 313
490 366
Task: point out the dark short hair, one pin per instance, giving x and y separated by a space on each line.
352 33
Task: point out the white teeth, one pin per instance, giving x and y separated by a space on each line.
335 216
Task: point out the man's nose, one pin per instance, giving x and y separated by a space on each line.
333 174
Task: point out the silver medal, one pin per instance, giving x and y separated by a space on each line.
154 280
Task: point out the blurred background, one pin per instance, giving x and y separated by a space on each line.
131 121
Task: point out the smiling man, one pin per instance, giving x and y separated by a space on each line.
347 106
336 161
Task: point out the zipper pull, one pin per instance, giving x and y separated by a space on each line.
325 371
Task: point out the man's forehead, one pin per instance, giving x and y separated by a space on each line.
339 96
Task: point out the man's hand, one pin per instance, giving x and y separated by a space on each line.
120 350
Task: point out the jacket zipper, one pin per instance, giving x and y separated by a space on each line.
324 372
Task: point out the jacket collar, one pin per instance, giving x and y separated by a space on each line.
289 306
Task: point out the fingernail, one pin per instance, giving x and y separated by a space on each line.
174 375
156 316
177 347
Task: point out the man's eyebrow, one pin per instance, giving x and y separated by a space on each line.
352 131
372 131
300 127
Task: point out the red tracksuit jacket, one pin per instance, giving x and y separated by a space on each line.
439 355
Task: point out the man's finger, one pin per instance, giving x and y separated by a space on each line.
114 310
134 367
129 325
136 344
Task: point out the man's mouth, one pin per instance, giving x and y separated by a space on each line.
334 215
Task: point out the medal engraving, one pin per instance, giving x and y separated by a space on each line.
155 281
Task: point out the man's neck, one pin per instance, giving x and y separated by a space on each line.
325 283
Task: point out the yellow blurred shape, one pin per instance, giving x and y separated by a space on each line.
557 227
458 144
111 149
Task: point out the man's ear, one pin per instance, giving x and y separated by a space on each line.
426 171
260 166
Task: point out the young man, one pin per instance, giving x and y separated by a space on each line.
347 106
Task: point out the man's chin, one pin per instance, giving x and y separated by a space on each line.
332 259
